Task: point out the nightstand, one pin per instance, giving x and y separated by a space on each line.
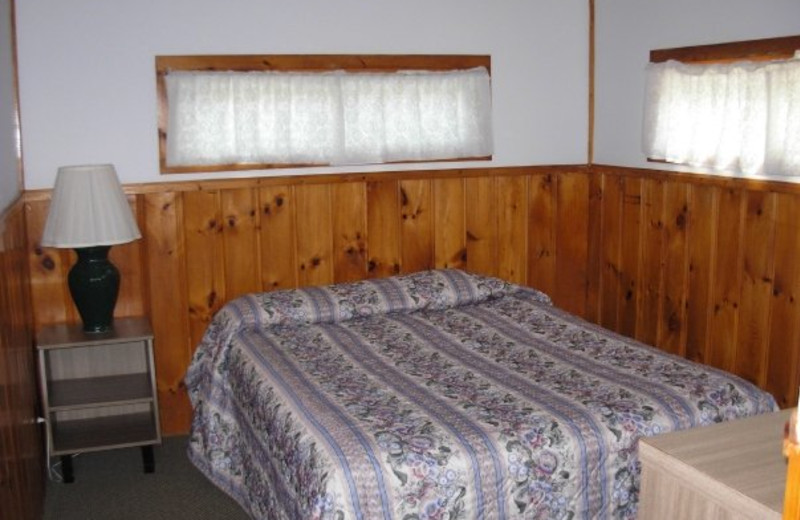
730 470
98 390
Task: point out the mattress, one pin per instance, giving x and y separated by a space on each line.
436 395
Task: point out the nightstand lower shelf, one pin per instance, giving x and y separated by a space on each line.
102 433
99 391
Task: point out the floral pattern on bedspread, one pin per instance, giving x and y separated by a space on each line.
436 395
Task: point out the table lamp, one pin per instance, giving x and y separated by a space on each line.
90 213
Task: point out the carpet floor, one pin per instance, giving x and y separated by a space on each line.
112 485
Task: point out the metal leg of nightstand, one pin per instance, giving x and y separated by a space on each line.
66 469
148 459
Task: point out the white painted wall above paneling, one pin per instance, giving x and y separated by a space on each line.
626 31
87 75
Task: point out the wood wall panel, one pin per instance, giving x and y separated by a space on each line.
512 225
129 260
314 241
48 268
572 245
482 230
204 259
675 265
240 221
784 332
629 281
702 251
542 233
21 457
756 287
349 232
416 225
651 272
639 251
610 251
726 289
383 231
450 233
169 304
278 238
727 278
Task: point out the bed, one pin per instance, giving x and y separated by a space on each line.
435 395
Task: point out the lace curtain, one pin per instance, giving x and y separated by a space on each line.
742 117
327 118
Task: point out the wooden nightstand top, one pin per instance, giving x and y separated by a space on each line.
67 335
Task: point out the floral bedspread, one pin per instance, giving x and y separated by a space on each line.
437 395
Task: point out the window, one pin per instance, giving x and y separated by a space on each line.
740 117
260 112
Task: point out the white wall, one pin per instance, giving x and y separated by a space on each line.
9 174
87 75
626 31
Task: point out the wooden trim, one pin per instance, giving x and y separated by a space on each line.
296 180
322 62
338 178
296 62
276 166
718 180
754 50
22 489
590 143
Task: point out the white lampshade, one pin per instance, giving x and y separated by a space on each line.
88 208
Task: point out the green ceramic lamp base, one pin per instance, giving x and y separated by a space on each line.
94 286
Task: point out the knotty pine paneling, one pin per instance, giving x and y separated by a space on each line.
383 227
350 231
702 233
673 276
609 212
542 232
314 240
727 276
512 198
638 251
652 237
416 225
784 322
450 227
167 291
629 262
21 460
571 224
278 235
481 222
705 267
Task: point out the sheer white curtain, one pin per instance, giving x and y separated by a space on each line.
333 117
741 118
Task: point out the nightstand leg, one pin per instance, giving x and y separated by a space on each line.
66 469
148 459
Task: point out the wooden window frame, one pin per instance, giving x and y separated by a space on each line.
754 50
294 62
765 49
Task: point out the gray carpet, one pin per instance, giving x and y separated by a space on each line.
112 485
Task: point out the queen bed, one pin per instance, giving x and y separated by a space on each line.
436 395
